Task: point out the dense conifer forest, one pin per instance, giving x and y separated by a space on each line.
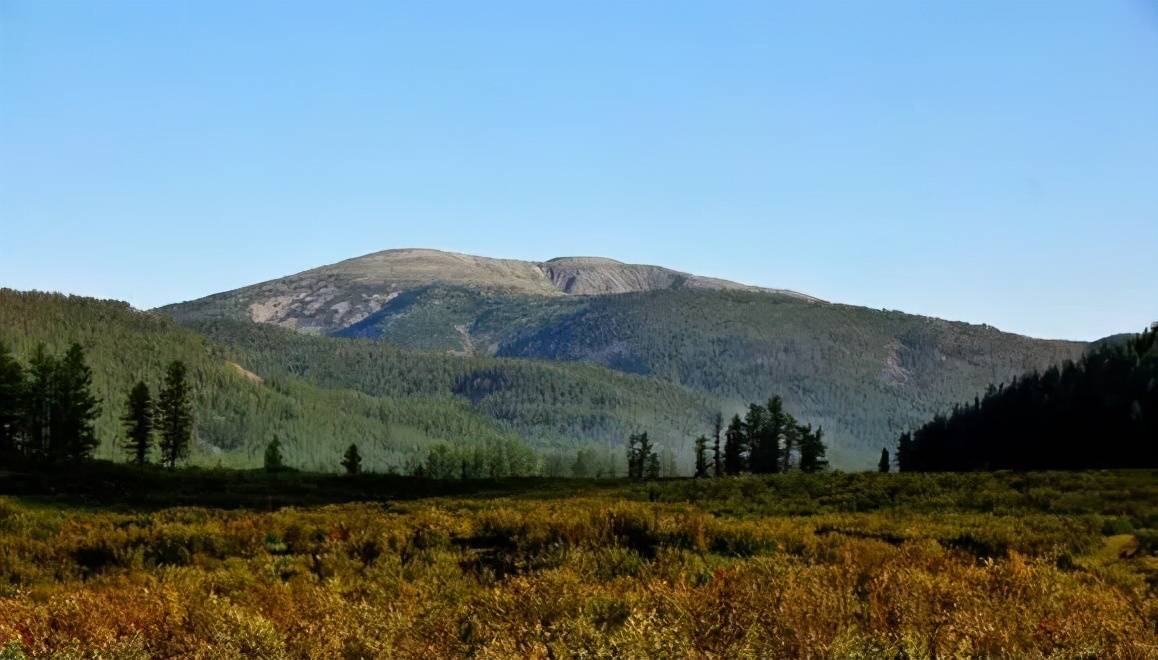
1100 411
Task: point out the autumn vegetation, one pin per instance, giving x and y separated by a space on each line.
790 565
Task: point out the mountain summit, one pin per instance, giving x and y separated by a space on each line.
331 298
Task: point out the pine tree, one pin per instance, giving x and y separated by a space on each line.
905 456
884 464
759 440
40 403
12 391
734 450
634 460
812 450
138 423
73 435
777 423
701 457
274 461
717 458
646 456
175 416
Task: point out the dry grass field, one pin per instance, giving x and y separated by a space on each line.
792 566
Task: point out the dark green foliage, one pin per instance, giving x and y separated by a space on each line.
642 460
1098 412
138 421
40 403
735 447
50 416
12 392
235 412
717 457
762 439
766 439
812 449
884 465
552 406
175 415
273 461
701 457
767 428
76 408
352 460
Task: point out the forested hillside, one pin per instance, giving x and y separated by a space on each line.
1098 412
865 375
237 413
253 382
556 406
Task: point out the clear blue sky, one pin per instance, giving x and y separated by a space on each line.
989 161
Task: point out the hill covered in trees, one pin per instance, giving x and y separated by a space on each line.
865 375
1098 412
250 383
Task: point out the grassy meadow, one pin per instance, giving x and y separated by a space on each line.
217 564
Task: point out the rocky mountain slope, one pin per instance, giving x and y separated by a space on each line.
331 298
865 375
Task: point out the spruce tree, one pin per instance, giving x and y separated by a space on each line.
646 456
734 450
12 390
73 435
274 462
701 457
138 423
883 465
766 456
812 450
634 461
175 416
759 440
717 458
905 457
40 403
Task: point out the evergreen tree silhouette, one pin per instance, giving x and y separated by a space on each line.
175 416
138 424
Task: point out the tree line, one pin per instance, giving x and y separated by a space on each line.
1098 412
48 411
767 439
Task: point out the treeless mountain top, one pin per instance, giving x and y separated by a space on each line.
332 297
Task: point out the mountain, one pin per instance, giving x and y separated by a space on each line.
865 375
334 297
252 382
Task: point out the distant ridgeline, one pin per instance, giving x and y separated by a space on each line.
1098 412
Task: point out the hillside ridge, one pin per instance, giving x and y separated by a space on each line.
329 298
